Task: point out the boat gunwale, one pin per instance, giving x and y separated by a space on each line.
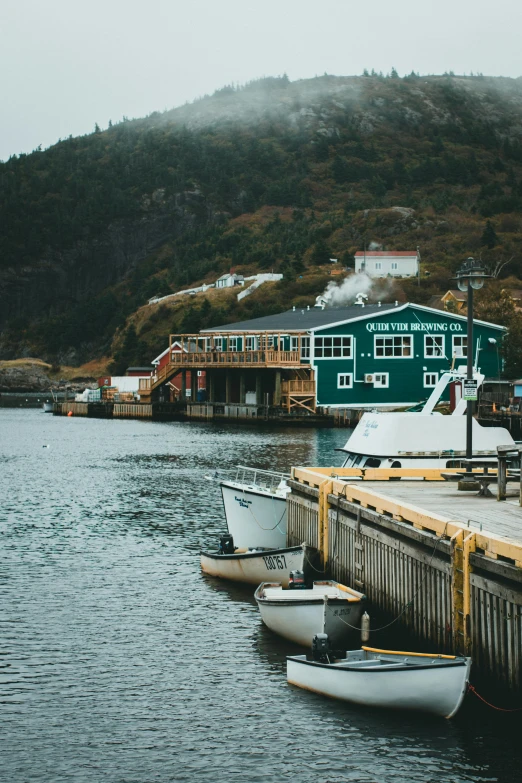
263 553
310 602
317 600
262 493
405 667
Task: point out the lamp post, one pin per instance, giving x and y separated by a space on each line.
470 277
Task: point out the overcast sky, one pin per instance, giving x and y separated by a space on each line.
66 64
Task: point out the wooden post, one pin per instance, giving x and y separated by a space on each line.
469 546
183 385
501 478
193 385
211 386
277 389
259 390
242 389
228 386
457 589
325 489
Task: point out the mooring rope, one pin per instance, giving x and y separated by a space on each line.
493 707
257 522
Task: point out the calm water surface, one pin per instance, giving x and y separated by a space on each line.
121 663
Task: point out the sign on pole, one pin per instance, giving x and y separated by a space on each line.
469 389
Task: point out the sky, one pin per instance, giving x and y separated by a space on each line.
66 65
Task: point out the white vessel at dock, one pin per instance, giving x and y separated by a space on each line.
298 615
255 507
48 407
257 565
424 439
434 684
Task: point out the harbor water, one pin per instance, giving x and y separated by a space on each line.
120 662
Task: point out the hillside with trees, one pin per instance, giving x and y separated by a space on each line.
273 175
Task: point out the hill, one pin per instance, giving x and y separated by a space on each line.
272 175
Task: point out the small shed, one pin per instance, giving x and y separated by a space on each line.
229 281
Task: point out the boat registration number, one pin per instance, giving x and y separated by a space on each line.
275 562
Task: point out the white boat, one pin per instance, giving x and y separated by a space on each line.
257 565
48 407
424 439
298 615
434 684
255 507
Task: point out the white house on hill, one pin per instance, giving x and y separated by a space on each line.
229 281
384 263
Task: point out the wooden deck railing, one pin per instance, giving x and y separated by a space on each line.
298 387
237 358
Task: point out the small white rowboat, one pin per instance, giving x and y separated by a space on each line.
434 684
255 565
298 615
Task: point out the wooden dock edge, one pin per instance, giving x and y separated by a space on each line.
455 587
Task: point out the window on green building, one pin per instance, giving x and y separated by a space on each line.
381 380
434 346
333 347
344 380
460 347
394 347
430 380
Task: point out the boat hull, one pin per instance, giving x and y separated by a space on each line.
255 517
300 621
434 688
48 407
255 567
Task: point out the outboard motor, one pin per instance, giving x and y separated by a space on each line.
296 580
321 648
226 545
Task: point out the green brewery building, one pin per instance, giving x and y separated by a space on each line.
328 357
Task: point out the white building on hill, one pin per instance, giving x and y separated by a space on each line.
229 281
384 263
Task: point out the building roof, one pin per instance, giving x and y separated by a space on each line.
461 296
301 320
385 253
231 274
315 319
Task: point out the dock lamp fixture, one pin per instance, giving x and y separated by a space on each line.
470 277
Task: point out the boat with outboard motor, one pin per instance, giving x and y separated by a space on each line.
435 684
422 439
300 612
255 507
255 565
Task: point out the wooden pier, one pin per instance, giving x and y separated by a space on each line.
446 566
200 411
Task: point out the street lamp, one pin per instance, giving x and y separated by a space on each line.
470 277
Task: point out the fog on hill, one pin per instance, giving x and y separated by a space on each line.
270 176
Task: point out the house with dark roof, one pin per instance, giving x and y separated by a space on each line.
359 356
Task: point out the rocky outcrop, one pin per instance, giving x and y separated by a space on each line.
24 378
33 377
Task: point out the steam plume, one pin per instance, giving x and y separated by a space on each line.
344 293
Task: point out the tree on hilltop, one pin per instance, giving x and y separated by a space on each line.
489 236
